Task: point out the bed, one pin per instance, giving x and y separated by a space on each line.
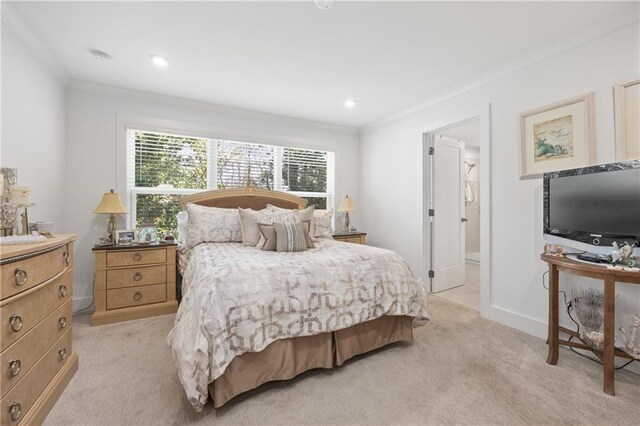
248 316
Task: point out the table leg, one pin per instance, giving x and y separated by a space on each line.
609 333
554 317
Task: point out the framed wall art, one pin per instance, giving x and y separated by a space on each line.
557 137
627 120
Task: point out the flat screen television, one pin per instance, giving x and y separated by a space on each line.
594 205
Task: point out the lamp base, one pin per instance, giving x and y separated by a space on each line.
111 227
346 222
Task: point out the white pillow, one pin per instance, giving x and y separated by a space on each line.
249 226
183 227
322 219
212 225
269 217
304 215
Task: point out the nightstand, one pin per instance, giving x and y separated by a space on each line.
134 282
351 237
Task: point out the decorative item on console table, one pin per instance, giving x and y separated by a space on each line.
124 237
8 178
350 237
134 282
35 324
110 204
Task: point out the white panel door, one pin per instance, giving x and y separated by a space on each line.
447 257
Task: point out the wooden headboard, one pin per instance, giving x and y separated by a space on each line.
248 197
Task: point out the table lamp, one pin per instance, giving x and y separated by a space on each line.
111 204
347 206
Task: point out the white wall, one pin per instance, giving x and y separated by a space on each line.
391 188
96 120
33 129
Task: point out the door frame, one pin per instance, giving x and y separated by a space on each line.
482 114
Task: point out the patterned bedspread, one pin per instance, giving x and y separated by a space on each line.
238 299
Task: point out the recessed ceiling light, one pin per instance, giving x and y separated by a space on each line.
350 103
325 4
159 60
99 55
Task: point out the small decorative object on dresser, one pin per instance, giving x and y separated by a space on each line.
350 237
35 312
147 234
134 282
347 206
124 237
110 204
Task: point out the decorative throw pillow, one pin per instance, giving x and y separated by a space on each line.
267 237
291 237
322 220
303 215
266 217
249 226
212 225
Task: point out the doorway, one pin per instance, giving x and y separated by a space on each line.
455 213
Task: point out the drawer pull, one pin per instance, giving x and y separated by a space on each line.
137 295
63 354
63 290
63 322
16 322
137 276
137 256
65 256
14 367
20 276
15 410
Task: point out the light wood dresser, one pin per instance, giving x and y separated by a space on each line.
35 311
351 237
134 282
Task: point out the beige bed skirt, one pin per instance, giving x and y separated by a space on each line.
285 359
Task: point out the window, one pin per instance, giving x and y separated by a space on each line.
163 167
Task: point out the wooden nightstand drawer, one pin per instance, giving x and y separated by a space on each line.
136 257
130 277
355 238
17 360
24 311
135 296
24 274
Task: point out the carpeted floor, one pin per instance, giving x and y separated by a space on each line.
460 370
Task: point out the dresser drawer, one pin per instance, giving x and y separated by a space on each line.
134 296
25 393
23 274
355 240
20 357
130 277
24 311
136 257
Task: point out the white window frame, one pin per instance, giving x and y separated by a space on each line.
212 163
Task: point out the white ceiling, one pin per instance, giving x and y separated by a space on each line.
293 59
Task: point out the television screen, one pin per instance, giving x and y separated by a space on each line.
596 205
607 202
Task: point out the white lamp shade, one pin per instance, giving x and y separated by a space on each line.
347 205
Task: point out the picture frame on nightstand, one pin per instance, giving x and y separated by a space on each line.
124 237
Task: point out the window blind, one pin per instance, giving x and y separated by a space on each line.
240 163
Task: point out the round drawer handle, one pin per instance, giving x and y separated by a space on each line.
15 410
14 367
65 256
137 295
20 276
63 290
15 321
137 276
63 322
63 354
137 256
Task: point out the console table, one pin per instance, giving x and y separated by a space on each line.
610 276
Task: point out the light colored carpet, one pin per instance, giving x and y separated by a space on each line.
461 370
468 294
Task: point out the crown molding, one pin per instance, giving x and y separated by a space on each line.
104 89
608 25
12 21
